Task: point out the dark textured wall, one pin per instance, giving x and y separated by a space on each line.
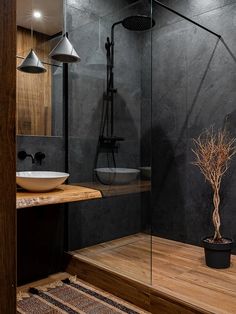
193 88
98 221
88 84
53 147
106 219
102 220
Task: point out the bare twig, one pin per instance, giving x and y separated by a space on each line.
213 152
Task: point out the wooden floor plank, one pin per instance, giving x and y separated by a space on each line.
178 269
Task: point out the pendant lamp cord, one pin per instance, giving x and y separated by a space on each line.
64 17
99 33
31 30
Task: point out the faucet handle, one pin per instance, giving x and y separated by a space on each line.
39 156
22 155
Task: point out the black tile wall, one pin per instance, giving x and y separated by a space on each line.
193 88
53 147
98 221
107 219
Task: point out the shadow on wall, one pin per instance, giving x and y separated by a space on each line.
181 200
84 146
197 126
198 91
169 174
146 148
168 210
173 201
125 126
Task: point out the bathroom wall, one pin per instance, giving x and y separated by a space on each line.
53 147
106 219
88 84
193 88
101 220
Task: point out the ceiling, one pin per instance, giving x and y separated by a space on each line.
52 15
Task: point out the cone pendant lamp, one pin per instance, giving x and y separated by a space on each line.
64 51
98 60
31 63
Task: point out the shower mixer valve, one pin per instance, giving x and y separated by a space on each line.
109 143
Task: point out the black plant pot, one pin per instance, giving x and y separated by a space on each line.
217 255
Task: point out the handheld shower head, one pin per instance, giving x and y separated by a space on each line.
138 23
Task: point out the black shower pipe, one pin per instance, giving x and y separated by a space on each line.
111 88
186 18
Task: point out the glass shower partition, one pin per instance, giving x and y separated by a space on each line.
110 134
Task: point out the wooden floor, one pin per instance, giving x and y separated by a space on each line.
177 269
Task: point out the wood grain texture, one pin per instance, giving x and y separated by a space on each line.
7 156
33 90
62 194
181 283
115 190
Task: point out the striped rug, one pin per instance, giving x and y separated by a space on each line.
72 296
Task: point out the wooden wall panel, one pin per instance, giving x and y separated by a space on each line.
33 90
7 157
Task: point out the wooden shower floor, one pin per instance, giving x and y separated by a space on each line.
177 269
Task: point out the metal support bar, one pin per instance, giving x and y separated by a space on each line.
66 143
43 62
186 18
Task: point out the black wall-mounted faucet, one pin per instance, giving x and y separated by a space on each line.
22 155
38 157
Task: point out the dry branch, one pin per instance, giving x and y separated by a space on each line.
213 153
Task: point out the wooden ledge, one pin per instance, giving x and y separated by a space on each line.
62 194
135 187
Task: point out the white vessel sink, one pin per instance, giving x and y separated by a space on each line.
40 181
116 175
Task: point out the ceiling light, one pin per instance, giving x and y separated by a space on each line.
37 14
31 63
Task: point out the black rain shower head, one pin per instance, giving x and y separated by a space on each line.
138 23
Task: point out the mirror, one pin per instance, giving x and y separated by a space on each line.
39 96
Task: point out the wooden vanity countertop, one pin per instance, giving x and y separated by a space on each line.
62 194
134 187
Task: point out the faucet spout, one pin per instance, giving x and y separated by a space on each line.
32 158
22 155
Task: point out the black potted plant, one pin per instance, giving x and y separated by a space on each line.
213 153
